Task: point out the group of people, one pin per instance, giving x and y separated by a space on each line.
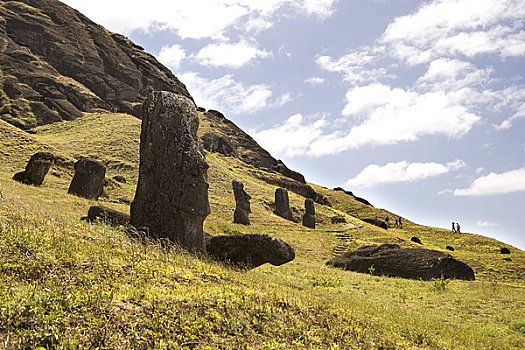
455 227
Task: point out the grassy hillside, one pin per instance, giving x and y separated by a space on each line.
67 284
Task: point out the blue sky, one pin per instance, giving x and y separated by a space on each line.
418 106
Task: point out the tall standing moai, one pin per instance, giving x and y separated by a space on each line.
36 169
171 199
282 204
309 215
242 204
88 181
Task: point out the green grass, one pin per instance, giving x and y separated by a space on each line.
66 284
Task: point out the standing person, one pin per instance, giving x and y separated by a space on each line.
399 222
458 228
453 226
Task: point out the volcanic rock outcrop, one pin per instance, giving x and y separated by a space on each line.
250 251
49 77
88 181
282 204
242 204
172 190
392 260
359 199
309 215
36 169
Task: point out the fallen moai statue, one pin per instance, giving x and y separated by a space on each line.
250 251
392 260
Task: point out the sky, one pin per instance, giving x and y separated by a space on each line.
417 106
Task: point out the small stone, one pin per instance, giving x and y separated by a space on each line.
416 240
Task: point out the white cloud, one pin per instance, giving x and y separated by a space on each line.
314 81
388 115
197 18
229 55
494 184
374 175
171 56
507 123
291 138
487 224
230 96
442 28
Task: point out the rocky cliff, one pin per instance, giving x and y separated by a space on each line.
55 63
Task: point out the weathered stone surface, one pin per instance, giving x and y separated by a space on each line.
242 204
505 250
218 144
309 215
48 77
250 251
377 222
392 260
36 169
88 181
415 240
172 190
282 204
107 215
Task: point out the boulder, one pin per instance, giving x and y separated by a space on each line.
218 144
36 169
448 247
107 215
242 204
282 204
88 181
415 240
505 250
250 251
377 222
309 215
172 190
392 260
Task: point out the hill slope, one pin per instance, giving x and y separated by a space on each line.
141 294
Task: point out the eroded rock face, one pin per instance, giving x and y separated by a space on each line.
107 215
377 222
392 260
250 251
309 215
48 77
172 190
282 204
242 204
88 181
36 169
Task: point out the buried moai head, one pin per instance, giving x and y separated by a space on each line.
172 191
242 204
282 204
88 181
309 215
36 169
